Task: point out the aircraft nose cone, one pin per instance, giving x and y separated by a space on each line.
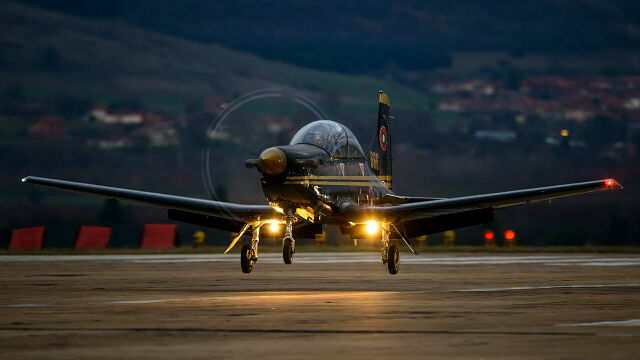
272 161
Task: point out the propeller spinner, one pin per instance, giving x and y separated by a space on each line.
272 161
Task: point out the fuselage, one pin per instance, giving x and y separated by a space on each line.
324 168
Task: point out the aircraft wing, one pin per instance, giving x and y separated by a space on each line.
433 208
179 205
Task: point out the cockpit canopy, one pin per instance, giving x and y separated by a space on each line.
334 138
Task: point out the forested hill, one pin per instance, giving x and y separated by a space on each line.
47 54
369 35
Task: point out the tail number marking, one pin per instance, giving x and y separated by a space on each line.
375 165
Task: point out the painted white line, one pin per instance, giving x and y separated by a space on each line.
142 301
599 263
250 297
633 322
143 261
353 257
422 260
586 286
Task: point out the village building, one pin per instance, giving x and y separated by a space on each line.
47 127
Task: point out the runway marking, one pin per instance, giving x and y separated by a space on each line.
366 293
28 305
247 297
141 301
321 331
351 257
633 322
587 286
598 263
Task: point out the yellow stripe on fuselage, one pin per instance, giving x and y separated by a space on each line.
327 177
357 180
335 183
338 177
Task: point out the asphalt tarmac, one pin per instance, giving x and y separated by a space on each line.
325 305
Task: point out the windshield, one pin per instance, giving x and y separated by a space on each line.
334 138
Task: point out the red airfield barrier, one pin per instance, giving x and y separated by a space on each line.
93 237
159 236
30 238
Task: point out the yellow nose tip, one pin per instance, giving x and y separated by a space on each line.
272 161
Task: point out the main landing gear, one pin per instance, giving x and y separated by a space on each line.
390 253
288 243
249 253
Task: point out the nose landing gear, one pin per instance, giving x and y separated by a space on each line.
287 250
288 243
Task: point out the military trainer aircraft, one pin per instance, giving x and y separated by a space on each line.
324 177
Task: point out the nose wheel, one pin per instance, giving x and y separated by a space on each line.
288 243
287 251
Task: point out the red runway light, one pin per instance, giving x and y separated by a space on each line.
488 235
509 235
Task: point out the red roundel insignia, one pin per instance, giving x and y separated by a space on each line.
383 138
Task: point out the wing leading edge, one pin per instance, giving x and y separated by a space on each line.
176 204
423 209
415 216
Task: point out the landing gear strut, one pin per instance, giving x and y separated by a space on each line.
249 253
288 243
390 253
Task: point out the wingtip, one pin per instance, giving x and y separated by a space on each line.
25 179
611 183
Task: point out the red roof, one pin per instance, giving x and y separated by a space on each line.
48 126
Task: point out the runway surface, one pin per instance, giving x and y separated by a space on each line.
325 305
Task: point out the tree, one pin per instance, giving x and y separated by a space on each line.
50 59
111 213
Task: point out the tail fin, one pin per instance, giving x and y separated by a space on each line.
380 153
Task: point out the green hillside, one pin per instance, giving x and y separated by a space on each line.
48 55
364 36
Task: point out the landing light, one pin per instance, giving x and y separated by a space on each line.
371 227
274 227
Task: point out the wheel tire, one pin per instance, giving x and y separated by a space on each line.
393 261
287 251
246 259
